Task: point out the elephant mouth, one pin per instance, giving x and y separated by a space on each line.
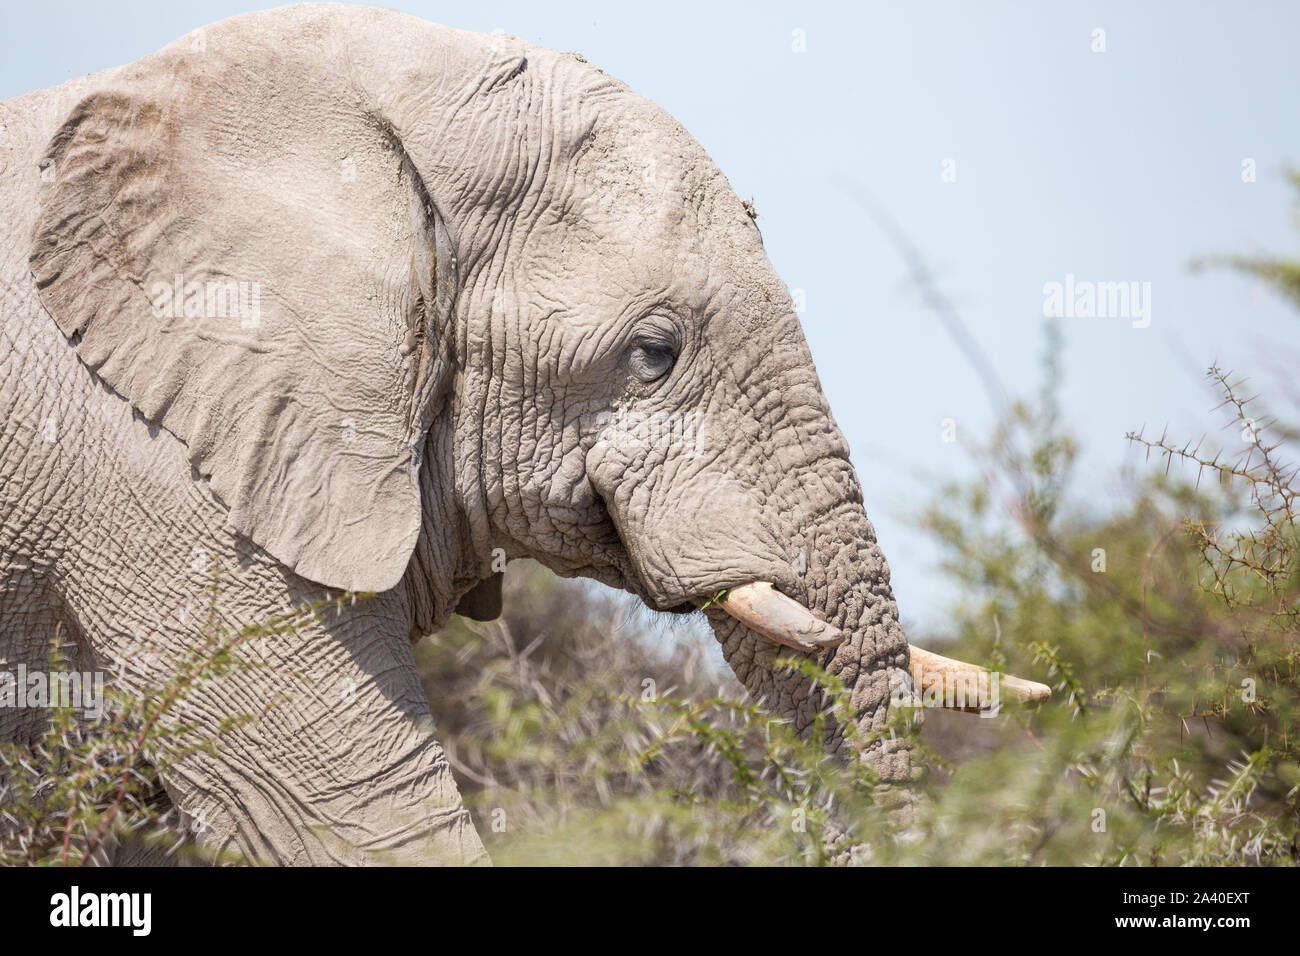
687 607
782 620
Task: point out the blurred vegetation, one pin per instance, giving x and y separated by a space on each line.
1167 626
581 731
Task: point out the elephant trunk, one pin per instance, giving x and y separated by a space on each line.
839 574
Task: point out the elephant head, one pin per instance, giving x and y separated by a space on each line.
413 297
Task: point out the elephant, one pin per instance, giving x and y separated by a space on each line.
344 302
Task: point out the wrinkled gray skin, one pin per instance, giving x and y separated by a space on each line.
473 256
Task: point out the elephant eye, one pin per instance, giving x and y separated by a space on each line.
650 360
655 345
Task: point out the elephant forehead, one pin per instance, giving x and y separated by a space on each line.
635 160
620 255
634 208
628 243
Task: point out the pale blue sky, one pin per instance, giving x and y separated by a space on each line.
1121 165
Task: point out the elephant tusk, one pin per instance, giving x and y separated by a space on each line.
969 687
782 620
762 608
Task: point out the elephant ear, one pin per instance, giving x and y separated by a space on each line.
251 260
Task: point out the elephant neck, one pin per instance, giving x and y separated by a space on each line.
453 553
